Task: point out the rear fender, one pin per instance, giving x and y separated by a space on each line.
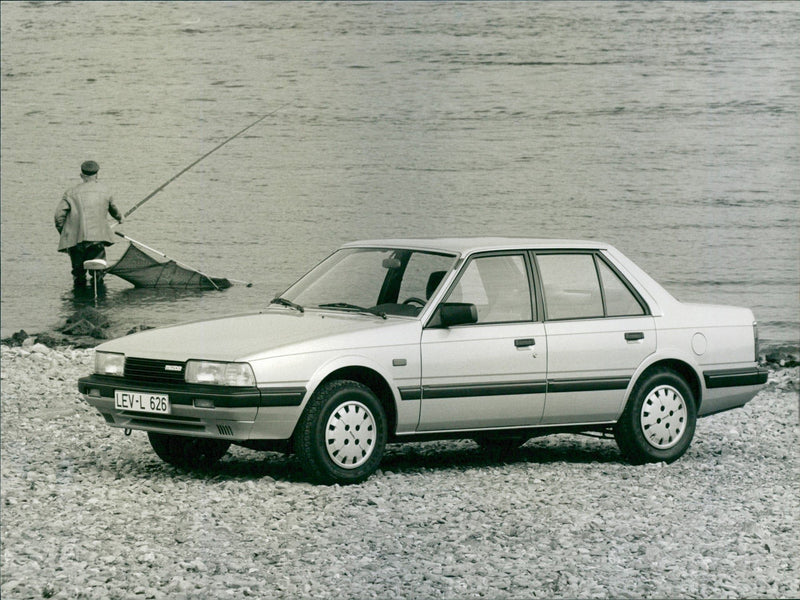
687 363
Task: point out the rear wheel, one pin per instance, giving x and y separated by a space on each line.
342 434
187 452
658 423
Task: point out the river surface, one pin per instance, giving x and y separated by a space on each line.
670 130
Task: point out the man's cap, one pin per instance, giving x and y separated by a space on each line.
90 167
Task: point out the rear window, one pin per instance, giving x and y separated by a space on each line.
571 287
582 286
620 301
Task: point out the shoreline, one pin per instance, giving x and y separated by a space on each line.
88 328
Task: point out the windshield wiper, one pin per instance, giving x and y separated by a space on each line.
285 302
353 308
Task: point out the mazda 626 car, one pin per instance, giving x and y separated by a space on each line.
498 340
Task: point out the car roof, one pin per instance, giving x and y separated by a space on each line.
469 245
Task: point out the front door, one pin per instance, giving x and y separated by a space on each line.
491 373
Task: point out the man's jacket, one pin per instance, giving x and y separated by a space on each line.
81 215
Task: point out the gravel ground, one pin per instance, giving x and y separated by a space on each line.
90 513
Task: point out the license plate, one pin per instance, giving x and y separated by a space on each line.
142 402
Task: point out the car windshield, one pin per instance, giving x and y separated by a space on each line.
379 280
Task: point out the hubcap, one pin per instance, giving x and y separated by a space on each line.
663 417
350 435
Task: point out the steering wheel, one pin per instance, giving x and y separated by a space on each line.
415 300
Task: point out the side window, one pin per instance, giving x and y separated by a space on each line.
620 302
570 285
498 286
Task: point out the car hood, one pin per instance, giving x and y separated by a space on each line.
275 332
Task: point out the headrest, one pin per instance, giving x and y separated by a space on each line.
434 279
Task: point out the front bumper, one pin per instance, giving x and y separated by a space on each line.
230 413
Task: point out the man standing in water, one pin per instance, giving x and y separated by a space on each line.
81 220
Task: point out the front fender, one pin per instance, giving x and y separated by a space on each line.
348 362
404 413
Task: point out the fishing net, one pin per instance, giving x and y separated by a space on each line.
143 270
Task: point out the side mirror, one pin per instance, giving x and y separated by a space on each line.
457 313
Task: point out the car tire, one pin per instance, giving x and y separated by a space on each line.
659 420
187 452
342 434
500 446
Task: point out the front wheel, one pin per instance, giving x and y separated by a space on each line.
187 452
658 422
342 434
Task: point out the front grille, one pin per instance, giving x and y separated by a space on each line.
153 371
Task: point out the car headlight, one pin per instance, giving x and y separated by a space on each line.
219 373
109 363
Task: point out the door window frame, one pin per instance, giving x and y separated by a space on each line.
597 256
532 288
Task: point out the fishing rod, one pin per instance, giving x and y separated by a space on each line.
166 183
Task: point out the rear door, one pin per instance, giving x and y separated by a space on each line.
599 330
490 373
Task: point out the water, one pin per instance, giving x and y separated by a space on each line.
670 130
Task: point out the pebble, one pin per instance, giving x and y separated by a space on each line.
90 513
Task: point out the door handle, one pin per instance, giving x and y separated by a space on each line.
524 342
633 336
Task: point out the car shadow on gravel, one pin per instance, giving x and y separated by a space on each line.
410 458
460 455
238 464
